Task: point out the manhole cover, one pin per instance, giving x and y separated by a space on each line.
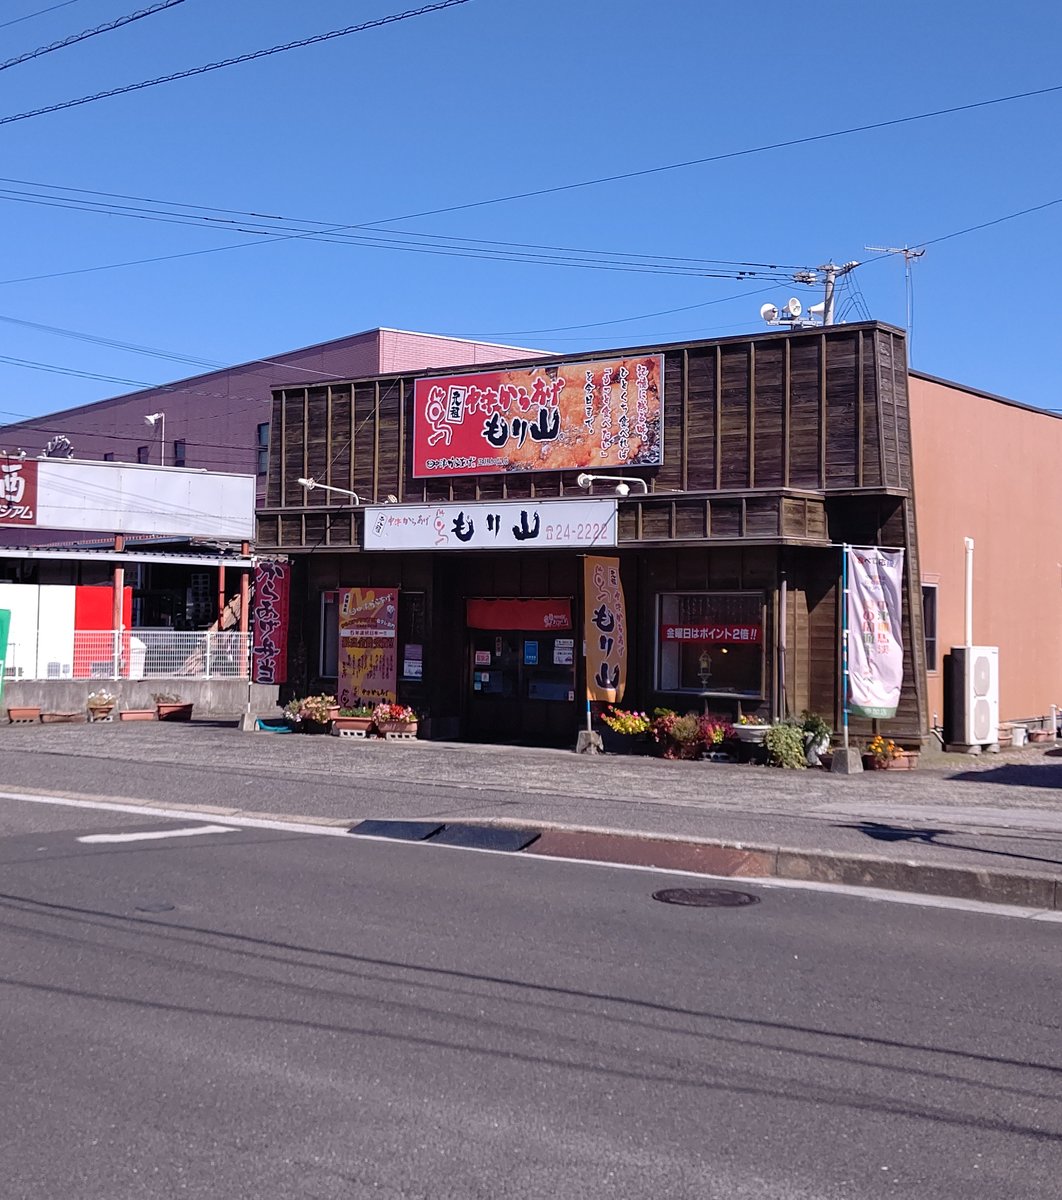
706 897
155 908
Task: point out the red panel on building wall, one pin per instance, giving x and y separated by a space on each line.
537 615
18 490
93 623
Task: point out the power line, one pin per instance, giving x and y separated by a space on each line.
332 226
697 162
419 243
39 13
89 33
231 62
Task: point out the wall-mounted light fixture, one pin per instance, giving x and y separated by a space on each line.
622 483
311 484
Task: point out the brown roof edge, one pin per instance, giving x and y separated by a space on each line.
605 352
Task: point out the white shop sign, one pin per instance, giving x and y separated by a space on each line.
492 525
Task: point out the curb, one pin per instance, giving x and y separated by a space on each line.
744 861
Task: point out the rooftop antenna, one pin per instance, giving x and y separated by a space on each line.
909 256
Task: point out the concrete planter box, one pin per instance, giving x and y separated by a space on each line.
356 724
137 714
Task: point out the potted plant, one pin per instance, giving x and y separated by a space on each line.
715 730
678 737
882 754
817 734
312 714
23 714
394 718
784 744
171 707
100 705
625 731
357 719
751 728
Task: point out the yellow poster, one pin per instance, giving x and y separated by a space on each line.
368 646
604 630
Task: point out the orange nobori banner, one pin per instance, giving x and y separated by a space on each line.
559 417
604 629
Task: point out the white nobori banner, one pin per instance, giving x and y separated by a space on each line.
492 525
875 644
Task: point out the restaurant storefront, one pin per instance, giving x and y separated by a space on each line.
467 496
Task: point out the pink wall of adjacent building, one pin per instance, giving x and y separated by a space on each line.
217 415
991 469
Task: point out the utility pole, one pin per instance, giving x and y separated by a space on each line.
908 256
831 273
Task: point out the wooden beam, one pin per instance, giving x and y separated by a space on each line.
685 419
718 417
752 415
824 412
787 377
860 410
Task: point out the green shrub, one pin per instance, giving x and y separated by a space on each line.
785 746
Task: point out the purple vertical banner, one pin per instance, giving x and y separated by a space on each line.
269 624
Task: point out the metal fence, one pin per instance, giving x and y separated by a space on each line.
131 654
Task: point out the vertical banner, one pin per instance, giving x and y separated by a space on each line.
368 646
875 645
604 630
269 622
5 628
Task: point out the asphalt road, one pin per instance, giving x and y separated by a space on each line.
319 1016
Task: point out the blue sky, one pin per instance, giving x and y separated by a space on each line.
496 97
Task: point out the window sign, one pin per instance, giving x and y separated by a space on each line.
413 661
564 652
711 643
530 654
482 658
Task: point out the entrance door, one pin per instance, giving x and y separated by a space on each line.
522 687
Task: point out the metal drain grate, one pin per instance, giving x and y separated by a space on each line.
706 897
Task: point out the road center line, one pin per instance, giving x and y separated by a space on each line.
155 834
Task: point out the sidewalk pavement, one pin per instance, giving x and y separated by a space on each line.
987 828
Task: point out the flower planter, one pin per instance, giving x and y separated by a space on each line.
137 714
750 733
100 712
907 761
62 718
1039 736
626 743
407 728
174 712
24 714
351 724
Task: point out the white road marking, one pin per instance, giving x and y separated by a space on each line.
879 895
154 835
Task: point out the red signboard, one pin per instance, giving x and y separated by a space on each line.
564 417
526 615
745 635
18 490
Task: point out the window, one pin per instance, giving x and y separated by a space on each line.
929 619
108 457
263 448
178 452
142 453
329 635
711 643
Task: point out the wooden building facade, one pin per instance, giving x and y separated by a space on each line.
776 448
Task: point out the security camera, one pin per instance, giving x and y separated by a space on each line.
623 489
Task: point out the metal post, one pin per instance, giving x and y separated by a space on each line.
844 640
206 664
969 542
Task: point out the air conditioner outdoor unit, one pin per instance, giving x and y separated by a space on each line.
971 688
